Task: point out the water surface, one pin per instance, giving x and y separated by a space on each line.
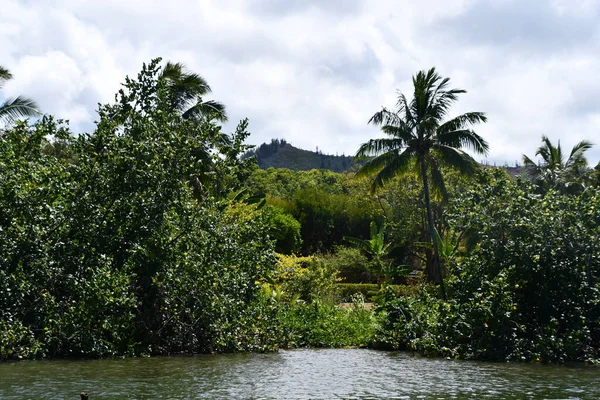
300 374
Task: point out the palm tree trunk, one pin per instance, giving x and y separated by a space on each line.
436 256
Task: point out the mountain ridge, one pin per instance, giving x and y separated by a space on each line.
282 154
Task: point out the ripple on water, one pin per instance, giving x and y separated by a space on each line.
298 374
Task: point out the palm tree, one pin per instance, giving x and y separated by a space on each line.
15 108
418 140
186 90
554 172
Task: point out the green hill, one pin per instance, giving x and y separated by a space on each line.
281 154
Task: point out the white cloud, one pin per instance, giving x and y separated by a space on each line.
313 72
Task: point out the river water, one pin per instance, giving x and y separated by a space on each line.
298 374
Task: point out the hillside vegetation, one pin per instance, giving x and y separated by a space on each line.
281 154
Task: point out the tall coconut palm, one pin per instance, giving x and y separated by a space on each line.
420 140
187 89
554 172
15 108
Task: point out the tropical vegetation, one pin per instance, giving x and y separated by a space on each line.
554 172
157 233
419 140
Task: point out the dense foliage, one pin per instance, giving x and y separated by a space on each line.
127 245
529 291
154 234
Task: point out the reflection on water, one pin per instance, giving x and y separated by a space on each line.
301 374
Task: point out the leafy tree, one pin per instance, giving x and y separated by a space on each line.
327 218
420 141
285 183
529 291
185 91
114 254
535 273
555 172
19 107
594 176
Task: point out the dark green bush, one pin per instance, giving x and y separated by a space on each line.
127 245
284 228
529 291
323 324
352 264
372 291
345 291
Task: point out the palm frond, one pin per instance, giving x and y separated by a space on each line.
443 101
577 158
456 158
548 152
375 147
426 128
435 97
5 75
176 74
400 131
211 109
532 170
437 179
376 164
555 172
403 108
186 90
399 165
464 138
19 107
559 155
423 84
385 117
462 121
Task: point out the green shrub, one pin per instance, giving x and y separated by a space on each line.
345 291
306 278
284 228
352 264
323 324
371 291
17 341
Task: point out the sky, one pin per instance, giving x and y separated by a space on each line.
314 71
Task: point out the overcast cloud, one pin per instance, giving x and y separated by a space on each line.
314 71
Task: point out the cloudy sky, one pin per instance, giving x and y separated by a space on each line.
314 71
